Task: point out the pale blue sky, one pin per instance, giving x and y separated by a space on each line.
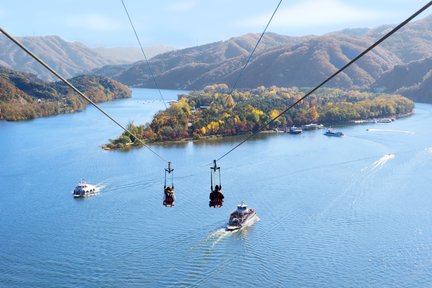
185 23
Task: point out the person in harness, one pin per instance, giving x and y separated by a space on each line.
169 196
216 197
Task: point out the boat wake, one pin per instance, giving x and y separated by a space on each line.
357 188
378 164
218 235
99 187
390 130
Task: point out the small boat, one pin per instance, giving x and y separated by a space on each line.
312 126
241 217
83 189
295 130
384 120
331 132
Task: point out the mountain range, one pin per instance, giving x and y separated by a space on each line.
282 60
279 60
68 58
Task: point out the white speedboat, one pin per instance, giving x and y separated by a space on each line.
83 189
241 217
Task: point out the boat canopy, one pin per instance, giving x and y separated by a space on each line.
241 208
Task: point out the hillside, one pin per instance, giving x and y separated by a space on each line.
67 58
177 69
411 43
287 62
310 62
413 80
282 60
24 96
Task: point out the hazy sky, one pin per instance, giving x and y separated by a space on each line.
184 23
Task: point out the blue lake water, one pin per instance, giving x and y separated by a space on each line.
334 212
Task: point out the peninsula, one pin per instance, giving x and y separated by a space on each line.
214 112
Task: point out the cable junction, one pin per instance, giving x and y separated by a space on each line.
77 91
145 57
263 126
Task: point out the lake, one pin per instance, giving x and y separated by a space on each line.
354 211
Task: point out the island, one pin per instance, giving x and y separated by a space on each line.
23 96
215 112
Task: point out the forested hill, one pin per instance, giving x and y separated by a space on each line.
24 96
213 112
282 60
413 80
67 58
182 68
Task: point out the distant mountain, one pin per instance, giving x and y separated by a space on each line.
24 96
181 67
312 61
67 58
421 92
413 80
411 43
280 60
128 55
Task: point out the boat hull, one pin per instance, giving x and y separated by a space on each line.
249 220
334 134
84 190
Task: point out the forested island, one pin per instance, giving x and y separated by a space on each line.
214 112
24 97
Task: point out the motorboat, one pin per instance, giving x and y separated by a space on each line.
241 217
295 130
331 132
83 189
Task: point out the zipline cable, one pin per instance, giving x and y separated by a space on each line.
145 57
76 90
253 50
249 58
330 77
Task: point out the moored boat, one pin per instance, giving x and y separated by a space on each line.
241 217
295 130
385 120
83 189
312 126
